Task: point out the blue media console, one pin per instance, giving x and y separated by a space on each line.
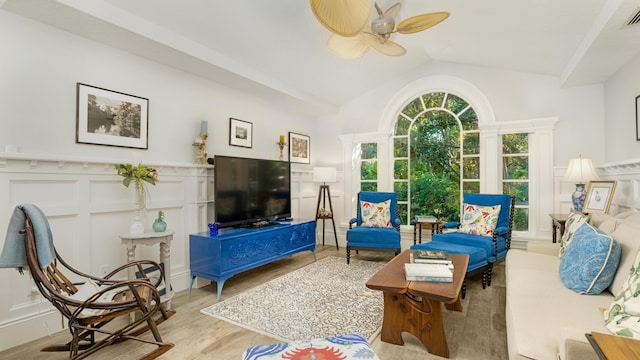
217 258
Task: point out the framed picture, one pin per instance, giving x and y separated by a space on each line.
240 133
638 118
599 195
299 148
107 117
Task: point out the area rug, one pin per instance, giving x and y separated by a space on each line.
325 298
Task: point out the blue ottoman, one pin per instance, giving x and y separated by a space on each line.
478 263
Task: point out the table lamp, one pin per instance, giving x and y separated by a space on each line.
579 171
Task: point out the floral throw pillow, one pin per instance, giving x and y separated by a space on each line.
376 214
623 315
574 221
479 220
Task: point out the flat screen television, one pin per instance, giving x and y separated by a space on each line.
248 191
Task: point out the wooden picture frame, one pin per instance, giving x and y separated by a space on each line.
112 118
240 133
599 196
299 148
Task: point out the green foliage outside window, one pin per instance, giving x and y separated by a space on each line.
515 174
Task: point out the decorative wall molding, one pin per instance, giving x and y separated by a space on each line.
88 207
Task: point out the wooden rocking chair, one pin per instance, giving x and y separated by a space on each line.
94 302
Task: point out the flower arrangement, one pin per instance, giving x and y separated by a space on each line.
137 173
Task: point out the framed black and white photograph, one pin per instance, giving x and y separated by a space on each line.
107 117
599 196
299 148
240 133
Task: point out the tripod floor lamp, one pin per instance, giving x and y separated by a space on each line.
325 175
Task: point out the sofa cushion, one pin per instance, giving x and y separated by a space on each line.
376 214
626 234
479 220
574 221
590 261
623 315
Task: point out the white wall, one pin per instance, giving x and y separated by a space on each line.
620 113
512 95
41 65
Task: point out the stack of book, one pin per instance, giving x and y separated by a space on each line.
429 265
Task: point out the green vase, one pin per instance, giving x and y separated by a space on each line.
159 225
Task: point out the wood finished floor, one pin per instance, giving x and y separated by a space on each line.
197 336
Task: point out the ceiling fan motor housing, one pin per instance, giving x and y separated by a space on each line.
383 26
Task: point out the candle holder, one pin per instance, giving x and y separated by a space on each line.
282 145
201 148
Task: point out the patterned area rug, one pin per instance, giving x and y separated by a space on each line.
325 298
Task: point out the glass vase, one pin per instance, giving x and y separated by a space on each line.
140 212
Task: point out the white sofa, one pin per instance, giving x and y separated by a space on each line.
545 320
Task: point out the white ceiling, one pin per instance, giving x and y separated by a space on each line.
276 49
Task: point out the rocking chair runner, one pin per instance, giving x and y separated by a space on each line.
107 300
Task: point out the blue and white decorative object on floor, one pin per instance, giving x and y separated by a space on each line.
352 346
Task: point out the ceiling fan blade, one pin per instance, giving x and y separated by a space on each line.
421 22
393 11
347 47
388 47
342 17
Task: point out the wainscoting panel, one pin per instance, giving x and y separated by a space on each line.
88 208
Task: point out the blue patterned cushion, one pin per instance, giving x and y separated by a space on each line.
590 261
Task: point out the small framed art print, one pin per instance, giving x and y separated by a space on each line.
240 133
299 148
599 196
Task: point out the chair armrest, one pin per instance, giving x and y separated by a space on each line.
117 297
451 225
396 224
501 230
139 265
352 221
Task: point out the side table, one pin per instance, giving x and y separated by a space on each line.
609 346
151 238
557 222
433 223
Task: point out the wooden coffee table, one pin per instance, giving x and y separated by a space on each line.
416 306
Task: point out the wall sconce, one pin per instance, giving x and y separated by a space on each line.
282 145
580 170
200 144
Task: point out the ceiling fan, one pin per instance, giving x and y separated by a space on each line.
352 37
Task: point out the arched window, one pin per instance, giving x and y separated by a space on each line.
438 138
436 155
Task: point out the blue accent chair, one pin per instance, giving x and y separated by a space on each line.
495 246
374 238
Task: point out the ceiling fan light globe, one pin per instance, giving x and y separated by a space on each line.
383 26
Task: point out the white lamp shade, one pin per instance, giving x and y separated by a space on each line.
580 170
324 174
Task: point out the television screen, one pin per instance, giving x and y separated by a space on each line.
251 190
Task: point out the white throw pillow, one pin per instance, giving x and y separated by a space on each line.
623 315
376 214
574 221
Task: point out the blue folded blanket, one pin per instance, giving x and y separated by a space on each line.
14 251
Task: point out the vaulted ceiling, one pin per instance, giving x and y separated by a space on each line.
277 49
